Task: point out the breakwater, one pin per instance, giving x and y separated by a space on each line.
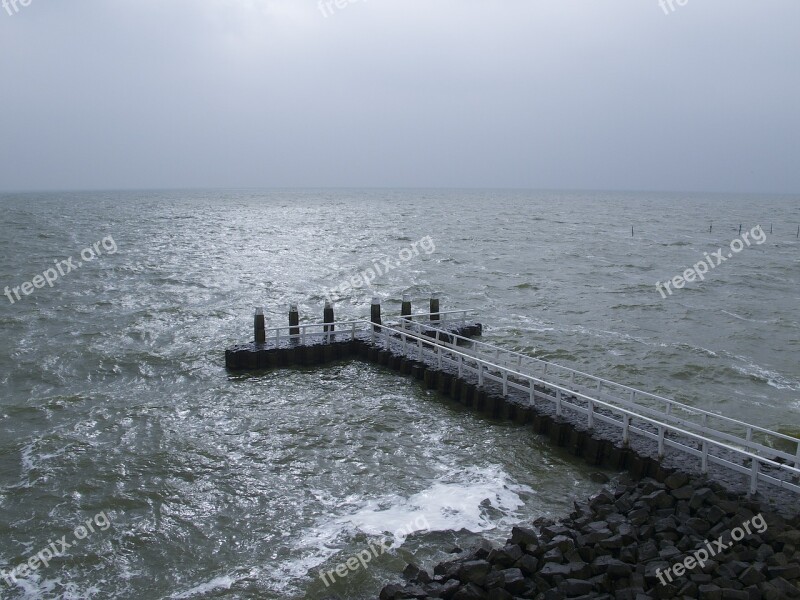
682 537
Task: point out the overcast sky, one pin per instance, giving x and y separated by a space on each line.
557 94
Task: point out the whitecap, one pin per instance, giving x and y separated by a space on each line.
218 583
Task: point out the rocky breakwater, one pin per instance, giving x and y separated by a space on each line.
683 538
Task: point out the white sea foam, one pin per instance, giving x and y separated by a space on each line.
478 500
444 506
218 583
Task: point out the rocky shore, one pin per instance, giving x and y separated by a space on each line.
631 541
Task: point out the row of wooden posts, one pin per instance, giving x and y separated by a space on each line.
260 327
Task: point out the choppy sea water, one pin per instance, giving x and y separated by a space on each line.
115 400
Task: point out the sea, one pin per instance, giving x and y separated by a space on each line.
134 466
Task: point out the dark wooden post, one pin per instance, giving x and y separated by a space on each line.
375 312
434 307
327 316
259 326
405 308
294 320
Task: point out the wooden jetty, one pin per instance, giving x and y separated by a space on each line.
606 423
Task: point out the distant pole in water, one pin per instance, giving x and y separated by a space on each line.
770 228
631 230
798 231
710 226
259 326
294 320
740 229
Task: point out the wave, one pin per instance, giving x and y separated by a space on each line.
771 378
770 321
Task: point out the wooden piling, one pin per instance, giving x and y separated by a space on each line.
294 320
434 310
259 326
405 307
375 312
327 316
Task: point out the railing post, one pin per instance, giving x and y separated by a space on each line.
797 458
661 433
626 430
460 365
259 326
704 461
294 320
439 355
532 392
480 373
505 383
754 478
434 316
353 332
558 403
419 345
591 415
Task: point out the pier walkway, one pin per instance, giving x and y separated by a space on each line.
606 422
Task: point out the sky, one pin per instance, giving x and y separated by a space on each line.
543 94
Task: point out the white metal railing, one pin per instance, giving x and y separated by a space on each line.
445 316
630 419
700 421
339 330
